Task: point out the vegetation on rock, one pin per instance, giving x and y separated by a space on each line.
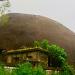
56 54
57 57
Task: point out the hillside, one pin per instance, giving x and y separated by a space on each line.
23 29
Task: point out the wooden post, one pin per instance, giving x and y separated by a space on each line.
9 59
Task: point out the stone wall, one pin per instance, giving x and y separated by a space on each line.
35 57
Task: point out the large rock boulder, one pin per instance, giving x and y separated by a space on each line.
23 29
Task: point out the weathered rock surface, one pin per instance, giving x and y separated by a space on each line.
23 29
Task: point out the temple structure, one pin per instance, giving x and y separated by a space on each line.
33 55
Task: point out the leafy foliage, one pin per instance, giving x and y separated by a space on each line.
36 44
57 59
56 54
4 7
26 69
66 70
2 70
23 69
43 44
4 19
3 10
38 70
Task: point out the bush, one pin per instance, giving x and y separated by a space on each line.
3 71
66 70
43 44
27 69
58 56
23 69
38 70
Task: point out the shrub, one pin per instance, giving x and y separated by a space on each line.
38 70
66 70
23 69
58 55
2 70
27 69
43 44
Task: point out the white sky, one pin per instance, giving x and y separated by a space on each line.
62 11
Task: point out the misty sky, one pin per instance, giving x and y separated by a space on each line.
62 11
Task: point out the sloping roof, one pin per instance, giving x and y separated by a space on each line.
27 50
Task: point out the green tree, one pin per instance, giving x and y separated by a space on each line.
57 55
3 10
4 7
44 44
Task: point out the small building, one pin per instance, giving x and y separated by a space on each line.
33 55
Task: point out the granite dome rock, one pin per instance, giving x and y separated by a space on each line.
23 29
